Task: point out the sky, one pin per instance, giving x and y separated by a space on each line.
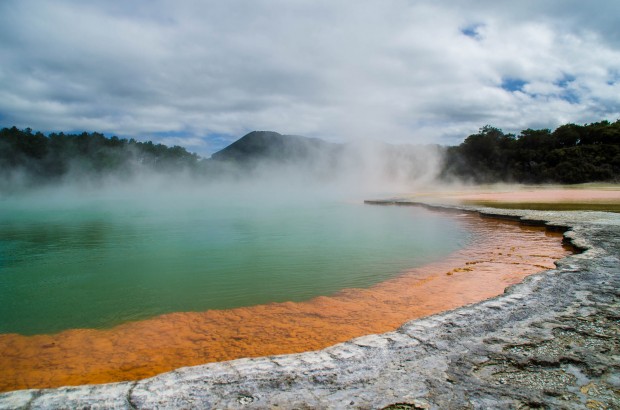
201 74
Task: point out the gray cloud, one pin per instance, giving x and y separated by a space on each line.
394 70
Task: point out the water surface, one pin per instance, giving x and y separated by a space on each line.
99 262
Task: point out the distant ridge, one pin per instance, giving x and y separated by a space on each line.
270 145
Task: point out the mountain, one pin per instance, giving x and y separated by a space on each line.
364 160
274 147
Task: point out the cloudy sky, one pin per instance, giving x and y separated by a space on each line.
203 73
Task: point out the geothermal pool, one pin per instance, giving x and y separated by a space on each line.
138 287
103 261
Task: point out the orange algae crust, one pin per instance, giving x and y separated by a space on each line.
502 254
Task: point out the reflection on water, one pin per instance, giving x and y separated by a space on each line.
500 254
27 242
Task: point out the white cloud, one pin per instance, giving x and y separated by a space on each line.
394 70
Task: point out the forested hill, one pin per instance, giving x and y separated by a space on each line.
272 146
35 156
569 154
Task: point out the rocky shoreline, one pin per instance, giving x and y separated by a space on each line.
552 341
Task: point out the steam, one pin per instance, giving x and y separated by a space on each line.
352 171
361 168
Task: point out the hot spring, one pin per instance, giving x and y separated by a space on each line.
96 261
105 285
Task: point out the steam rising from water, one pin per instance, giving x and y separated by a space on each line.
333 171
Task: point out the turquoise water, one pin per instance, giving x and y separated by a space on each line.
97 263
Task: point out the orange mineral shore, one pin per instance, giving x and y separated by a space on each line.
499 254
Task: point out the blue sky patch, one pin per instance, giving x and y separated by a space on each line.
570 96
173 133
218 142
568 92
513 84
472 31
565 80
213 142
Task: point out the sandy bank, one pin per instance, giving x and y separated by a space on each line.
601 197
547 196
549 341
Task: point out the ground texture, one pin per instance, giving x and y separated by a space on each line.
552 341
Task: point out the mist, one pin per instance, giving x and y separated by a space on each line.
305 170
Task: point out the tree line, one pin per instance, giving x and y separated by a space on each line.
34 157
569 154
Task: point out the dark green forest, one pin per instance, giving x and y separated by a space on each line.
570 154
39 158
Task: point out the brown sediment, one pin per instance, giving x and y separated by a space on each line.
502 253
